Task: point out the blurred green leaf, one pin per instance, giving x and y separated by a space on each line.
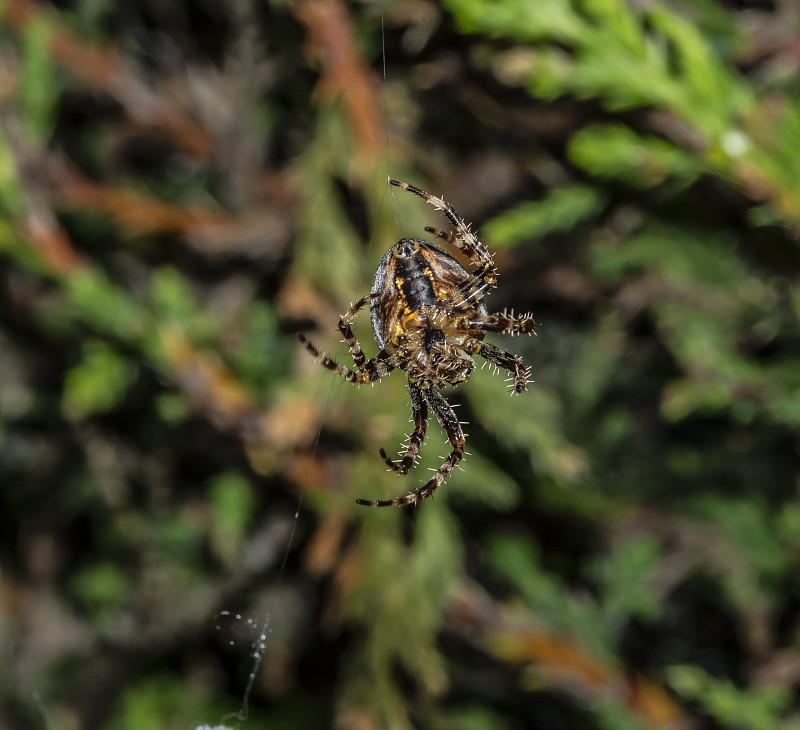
232 503
173 301
547 19
559 211
623 579
172 407
38 88
165 701
753 709
534 414
262 354
751 527
471 718
93 297
547 598
484 483
617 152
98 382
101 587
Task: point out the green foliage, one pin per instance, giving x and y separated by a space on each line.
411 604
163 701
38 87
762 555
101 588
471 718
548 599
655 59
613 715
261 354
97 383
169 452
232 502
533 416
327 242
172 407
486 484
92 297
179 539
617 152
11 197
734 708
559 211
623 578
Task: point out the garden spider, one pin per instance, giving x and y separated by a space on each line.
429 319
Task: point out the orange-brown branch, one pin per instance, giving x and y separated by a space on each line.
330 37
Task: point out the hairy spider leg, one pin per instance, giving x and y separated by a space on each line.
455 434
419 412
372 370
503 359
350 339
368 370
503 322
465 240
476 287
445 235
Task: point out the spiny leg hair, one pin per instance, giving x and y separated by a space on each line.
350 339
506 323
505 360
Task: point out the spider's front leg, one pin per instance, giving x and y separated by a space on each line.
368 371
464 239
419 412
455 434
480 281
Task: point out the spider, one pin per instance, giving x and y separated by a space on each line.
429 319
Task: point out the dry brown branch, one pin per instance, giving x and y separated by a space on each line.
330 37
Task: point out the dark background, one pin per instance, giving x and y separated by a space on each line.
185 185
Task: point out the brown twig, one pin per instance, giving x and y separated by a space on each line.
330 37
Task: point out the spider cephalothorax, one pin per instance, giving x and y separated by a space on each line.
429 319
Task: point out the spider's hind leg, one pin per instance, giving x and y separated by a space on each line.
347 332
455 434
329 363
368 371
419 412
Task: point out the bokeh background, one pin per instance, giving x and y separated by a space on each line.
185 185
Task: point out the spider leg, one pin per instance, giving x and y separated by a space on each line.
445 235
367 371
506 323
465 240
475 288
350 339
449 421
505 360
419 412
